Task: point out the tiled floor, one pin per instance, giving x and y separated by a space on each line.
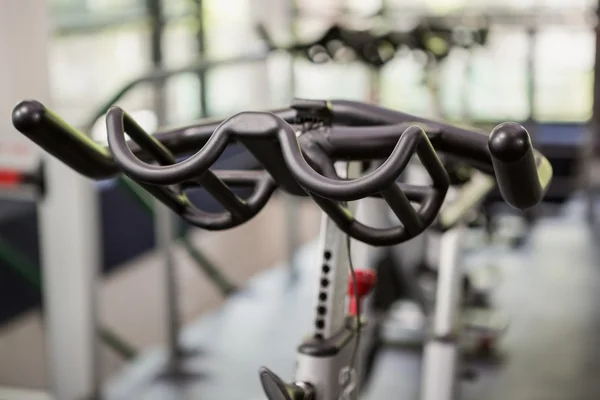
550 290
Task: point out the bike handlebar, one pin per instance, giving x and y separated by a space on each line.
522 179
301 164
66 143
370 46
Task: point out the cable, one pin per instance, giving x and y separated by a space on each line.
354 284
356 297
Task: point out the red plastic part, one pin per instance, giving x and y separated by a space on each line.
365 282
486 344
10 177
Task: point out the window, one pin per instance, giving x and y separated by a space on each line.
92 59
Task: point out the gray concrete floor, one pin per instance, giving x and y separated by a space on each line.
139 318
549 289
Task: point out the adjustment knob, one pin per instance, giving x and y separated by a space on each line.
276 389
365 282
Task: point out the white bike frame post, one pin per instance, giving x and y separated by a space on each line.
441 358
68 213
331 376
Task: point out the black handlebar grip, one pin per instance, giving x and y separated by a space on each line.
74 148
515 166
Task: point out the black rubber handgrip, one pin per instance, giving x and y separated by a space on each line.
521 178
64 142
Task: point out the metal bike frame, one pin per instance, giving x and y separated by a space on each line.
441 357
441 353
522 184
332 376
68 216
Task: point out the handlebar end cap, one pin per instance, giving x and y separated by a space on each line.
27 115
509 142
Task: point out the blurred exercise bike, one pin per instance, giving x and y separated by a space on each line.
300 149
404 267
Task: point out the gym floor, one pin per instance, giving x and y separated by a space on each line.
139 319
549 290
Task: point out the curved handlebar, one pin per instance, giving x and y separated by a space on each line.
58 138
377 49
274 143
301 164
521 178
45 128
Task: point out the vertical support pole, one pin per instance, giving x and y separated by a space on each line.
531 93
433 82
292 12
531 124
596 98
334 376
292 202
440 371
69 225
334 264
594 129
201 46
374 85
157 27
165 227
281 14
376 213
68 214
465 112
165 222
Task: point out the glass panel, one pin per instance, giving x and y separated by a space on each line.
234 88
180 46
564 61
183 91
183 99
497 86
86 69
229 31
318 6
178 7
113 5
331 81
57 6
279 67
364 7
403 86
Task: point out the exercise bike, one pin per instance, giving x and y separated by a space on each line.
402 307
300 148
368 47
